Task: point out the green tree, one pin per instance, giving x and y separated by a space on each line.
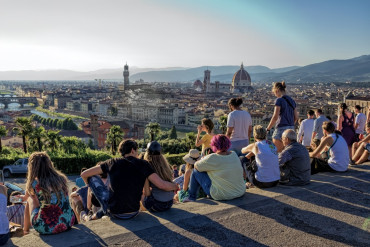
190 140
223 123
114 137
173 133
153 129
24 129
72 145
55 122
37 134
90 144
3 132
53 139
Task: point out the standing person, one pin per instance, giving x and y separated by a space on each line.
239 126
346 126
268 173
206 126
4 222
127 177
339 155
285 114
47 210
157 200
306 129
360 122
317 133
220 174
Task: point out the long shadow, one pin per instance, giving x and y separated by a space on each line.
309 222
190 227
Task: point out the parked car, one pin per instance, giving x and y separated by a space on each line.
19 167
11 188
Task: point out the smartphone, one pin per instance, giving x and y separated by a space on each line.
15 199
2 177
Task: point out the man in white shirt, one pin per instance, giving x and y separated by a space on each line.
305 129
360 120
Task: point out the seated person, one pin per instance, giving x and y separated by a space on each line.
15 211
266 159
157 200
294 161
361 149
190 160
220 174
79 181
4 222
127 176
338 151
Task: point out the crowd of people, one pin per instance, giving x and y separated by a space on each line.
225 167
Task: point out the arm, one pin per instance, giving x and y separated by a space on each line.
300 133
327 141
89 195
356 123
161 184
96 170
366 139
197 141
296 116
340 120
229 131
284 157
249 131
248 148
186 179
274 118
147 191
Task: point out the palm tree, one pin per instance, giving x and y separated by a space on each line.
37 134
114 137
223 123
153 129
24 129
3 132
53 138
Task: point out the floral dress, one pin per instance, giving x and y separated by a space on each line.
54 217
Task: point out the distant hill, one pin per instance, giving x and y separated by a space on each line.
355 69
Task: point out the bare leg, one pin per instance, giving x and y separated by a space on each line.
354 148
32 203
359 152
364 157
279 145
350 152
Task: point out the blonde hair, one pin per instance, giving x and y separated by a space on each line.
279 86
49 179
160 165
259 132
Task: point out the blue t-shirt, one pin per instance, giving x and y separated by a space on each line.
286 116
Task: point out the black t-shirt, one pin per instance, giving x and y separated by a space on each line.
127 177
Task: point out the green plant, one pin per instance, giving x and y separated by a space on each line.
24 129
153 129
3 132
114 137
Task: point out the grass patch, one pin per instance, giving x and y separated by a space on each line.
57 114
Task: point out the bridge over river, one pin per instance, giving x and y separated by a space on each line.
6 100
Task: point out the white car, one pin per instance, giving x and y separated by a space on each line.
19 167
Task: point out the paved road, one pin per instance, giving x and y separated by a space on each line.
334 210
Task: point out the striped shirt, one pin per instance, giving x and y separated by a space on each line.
17 212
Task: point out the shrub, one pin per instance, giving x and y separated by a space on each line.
175 159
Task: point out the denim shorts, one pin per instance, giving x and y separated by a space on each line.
278 132
237 146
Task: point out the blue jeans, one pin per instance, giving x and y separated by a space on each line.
237 146
101 193
278 132
199 179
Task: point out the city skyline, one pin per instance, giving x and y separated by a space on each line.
90 35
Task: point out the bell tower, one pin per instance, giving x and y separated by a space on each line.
126 74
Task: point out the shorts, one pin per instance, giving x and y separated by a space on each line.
367 147
278 132
154 205
237 146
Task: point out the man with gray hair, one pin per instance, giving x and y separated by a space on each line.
294 161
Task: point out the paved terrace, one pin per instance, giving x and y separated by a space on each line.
334 210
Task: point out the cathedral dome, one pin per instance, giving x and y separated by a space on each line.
197 84
241 77
241 81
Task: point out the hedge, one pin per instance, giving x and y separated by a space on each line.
175 159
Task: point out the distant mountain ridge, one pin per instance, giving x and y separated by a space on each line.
355 69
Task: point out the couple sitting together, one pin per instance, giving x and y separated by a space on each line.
219 174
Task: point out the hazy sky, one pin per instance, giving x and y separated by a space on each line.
90 34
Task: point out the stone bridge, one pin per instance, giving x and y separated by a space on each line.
20 100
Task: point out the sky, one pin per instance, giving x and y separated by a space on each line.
87 35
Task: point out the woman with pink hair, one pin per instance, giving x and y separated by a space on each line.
219 174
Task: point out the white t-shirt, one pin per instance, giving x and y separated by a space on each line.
306 129
361 121
267 162
240 120
339 154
